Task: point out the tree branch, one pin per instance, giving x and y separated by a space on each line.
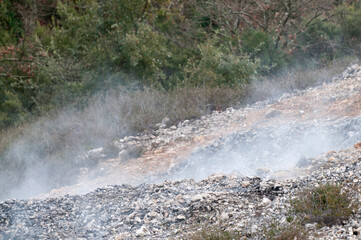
14 76
15 60
240 13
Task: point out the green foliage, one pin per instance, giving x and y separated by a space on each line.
319 42
62 50
10 25
326 39
259 44
219 66
90 45
351 21
16 76
76 30
327 204
10 108
143 52
101 41
124 14
15 87
105 44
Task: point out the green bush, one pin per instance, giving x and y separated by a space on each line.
85 45
327 204
320 42
351 21
10 109
10 24
76 31
143 52
219 66
259 44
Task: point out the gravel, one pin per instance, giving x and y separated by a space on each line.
173 208
261 165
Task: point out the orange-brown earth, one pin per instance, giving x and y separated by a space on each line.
338 99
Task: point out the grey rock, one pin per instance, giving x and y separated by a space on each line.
272 113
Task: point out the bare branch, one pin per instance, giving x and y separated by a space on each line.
250 17
15 60
14 76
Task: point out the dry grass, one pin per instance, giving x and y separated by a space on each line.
293 79
276 231
273 231
327 204
214 233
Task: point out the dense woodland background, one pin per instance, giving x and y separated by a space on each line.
135 62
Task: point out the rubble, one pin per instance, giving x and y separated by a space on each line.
237 168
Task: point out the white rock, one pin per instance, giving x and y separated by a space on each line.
197 198
96 153
245 184
272 113
266 201
141 232
181 217
224 216
254 228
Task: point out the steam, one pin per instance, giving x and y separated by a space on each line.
48 153
290 80
271 149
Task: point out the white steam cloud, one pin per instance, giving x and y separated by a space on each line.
270 148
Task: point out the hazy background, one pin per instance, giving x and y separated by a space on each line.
274 148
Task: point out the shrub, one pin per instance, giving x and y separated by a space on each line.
326 204
10 109
350 22
321 41
143 52
292 230
219 66
259 44
214 233
76 32
10 24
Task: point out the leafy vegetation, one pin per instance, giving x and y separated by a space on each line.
55 53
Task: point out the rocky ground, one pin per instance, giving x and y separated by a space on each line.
266 153
170 209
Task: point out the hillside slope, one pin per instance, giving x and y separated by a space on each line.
305 123
258 157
